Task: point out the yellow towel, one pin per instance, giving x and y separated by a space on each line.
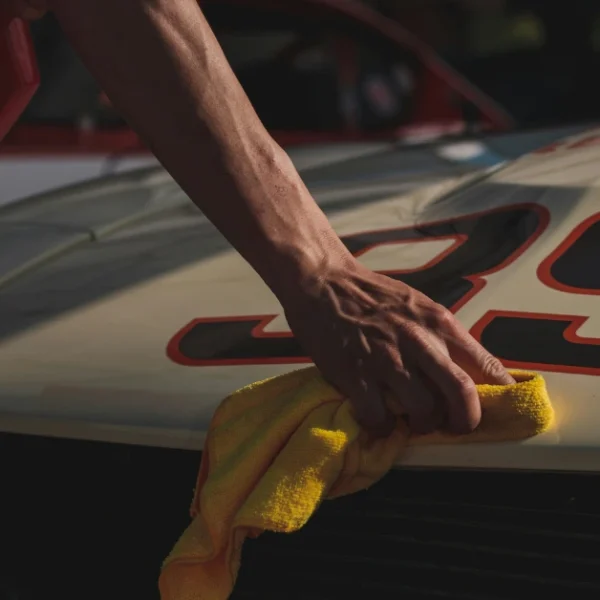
277 448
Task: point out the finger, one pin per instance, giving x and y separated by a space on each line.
475 360
458 389
366 395
416 398
369 405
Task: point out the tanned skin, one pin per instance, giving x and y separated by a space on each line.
163 69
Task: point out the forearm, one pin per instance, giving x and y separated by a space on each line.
163 69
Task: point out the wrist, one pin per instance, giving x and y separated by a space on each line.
301 269
288 240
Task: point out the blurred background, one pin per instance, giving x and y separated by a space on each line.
335 72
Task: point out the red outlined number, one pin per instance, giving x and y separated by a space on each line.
548 342
573 266
538 341
484 243
586 142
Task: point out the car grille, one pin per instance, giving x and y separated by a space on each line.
88 520
453 535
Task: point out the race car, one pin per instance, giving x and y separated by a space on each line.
126 318
318 71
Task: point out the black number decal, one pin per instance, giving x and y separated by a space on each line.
483 243
573 266
540 342
234 341
547 342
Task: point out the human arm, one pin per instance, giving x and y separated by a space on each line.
163 69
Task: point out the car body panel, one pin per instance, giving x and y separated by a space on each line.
24 176
90 340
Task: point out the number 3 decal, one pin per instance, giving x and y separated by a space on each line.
483 244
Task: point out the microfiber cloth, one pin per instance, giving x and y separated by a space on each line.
276 449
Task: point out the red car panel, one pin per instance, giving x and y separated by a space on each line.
19 77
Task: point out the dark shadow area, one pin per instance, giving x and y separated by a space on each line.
167 242
150 248
537 59
94 521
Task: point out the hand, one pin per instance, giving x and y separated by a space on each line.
370 334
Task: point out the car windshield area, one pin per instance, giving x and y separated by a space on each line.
537 59
301 73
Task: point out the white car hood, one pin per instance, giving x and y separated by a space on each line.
109 365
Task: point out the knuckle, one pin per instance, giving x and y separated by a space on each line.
493 367
410 330
400 375
464 385
442 318
390 364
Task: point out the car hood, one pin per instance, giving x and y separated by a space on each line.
126 316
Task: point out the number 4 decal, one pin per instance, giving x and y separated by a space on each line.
545 342
483 244
550 342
